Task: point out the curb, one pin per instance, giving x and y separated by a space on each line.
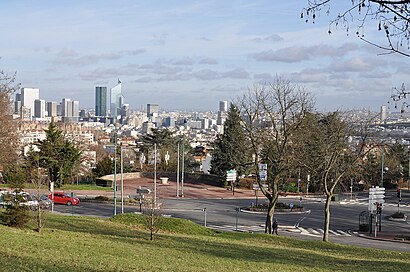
252 212
380 239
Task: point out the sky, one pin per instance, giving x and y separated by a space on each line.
189 55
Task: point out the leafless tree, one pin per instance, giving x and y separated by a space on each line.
152 214
329 153
8 126
391 17
271 114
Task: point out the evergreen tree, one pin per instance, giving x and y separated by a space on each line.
58 155
231 148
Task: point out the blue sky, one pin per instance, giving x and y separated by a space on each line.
190 54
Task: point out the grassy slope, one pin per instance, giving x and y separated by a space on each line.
121 244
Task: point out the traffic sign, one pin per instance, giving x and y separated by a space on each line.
142 191
263 171
231 175
376 198
255 186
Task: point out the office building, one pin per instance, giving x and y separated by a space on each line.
383 114
75 108
223 106
39 108
101 94
66 107
116 100
152 110
222 113
51 108
28 95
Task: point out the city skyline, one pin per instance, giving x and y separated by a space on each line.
197 51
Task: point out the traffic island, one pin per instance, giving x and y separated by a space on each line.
279 208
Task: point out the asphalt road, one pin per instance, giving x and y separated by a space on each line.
223 214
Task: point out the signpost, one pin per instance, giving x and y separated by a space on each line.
231 177
263 171
376 200
255 187
141 192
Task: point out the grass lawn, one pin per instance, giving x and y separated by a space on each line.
70 243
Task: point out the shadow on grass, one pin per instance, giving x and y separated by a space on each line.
282 252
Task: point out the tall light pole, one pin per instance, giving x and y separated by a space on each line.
381 183
178 170
122 183
155 174
182 174
115 168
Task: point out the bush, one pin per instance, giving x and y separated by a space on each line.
103 182
398 215
101 198
15 216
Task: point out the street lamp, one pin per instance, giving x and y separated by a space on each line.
115 169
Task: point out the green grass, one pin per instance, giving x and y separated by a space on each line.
70 243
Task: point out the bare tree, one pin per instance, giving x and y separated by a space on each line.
152 213
329 154
391 17
8 126
271 114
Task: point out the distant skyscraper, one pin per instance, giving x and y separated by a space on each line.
39 108
51 108
75 108
28 95
383 113
101 101
152 110
66 107
222 113
116 100
223 106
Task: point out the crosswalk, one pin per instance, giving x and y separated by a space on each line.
366 203
261 229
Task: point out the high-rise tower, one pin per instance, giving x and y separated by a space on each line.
101 101
116 100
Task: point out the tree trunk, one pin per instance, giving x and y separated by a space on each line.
327 217
269 215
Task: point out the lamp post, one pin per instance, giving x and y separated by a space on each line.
382 173
155 175
122 183
178 170
115 169
182 166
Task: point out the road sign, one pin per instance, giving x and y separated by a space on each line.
263 171
376 196
231 175
142 191
255 186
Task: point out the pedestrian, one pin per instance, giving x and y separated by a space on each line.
275 226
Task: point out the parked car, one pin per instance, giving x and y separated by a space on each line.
65 199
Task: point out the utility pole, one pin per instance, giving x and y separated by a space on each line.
182 176
381 184
178 170
115 168
122 182
155 175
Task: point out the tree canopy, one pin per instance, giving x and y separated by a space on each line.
58 155
8 130
390 17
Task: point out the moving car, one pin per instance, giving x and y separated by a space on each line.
65 199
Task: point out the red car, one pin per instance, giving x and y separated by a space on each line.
62 198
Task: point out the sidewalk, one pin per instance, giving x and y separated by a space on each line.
388 236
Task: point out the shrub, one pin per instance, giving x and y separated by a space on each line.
398 215
15 216
101 198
